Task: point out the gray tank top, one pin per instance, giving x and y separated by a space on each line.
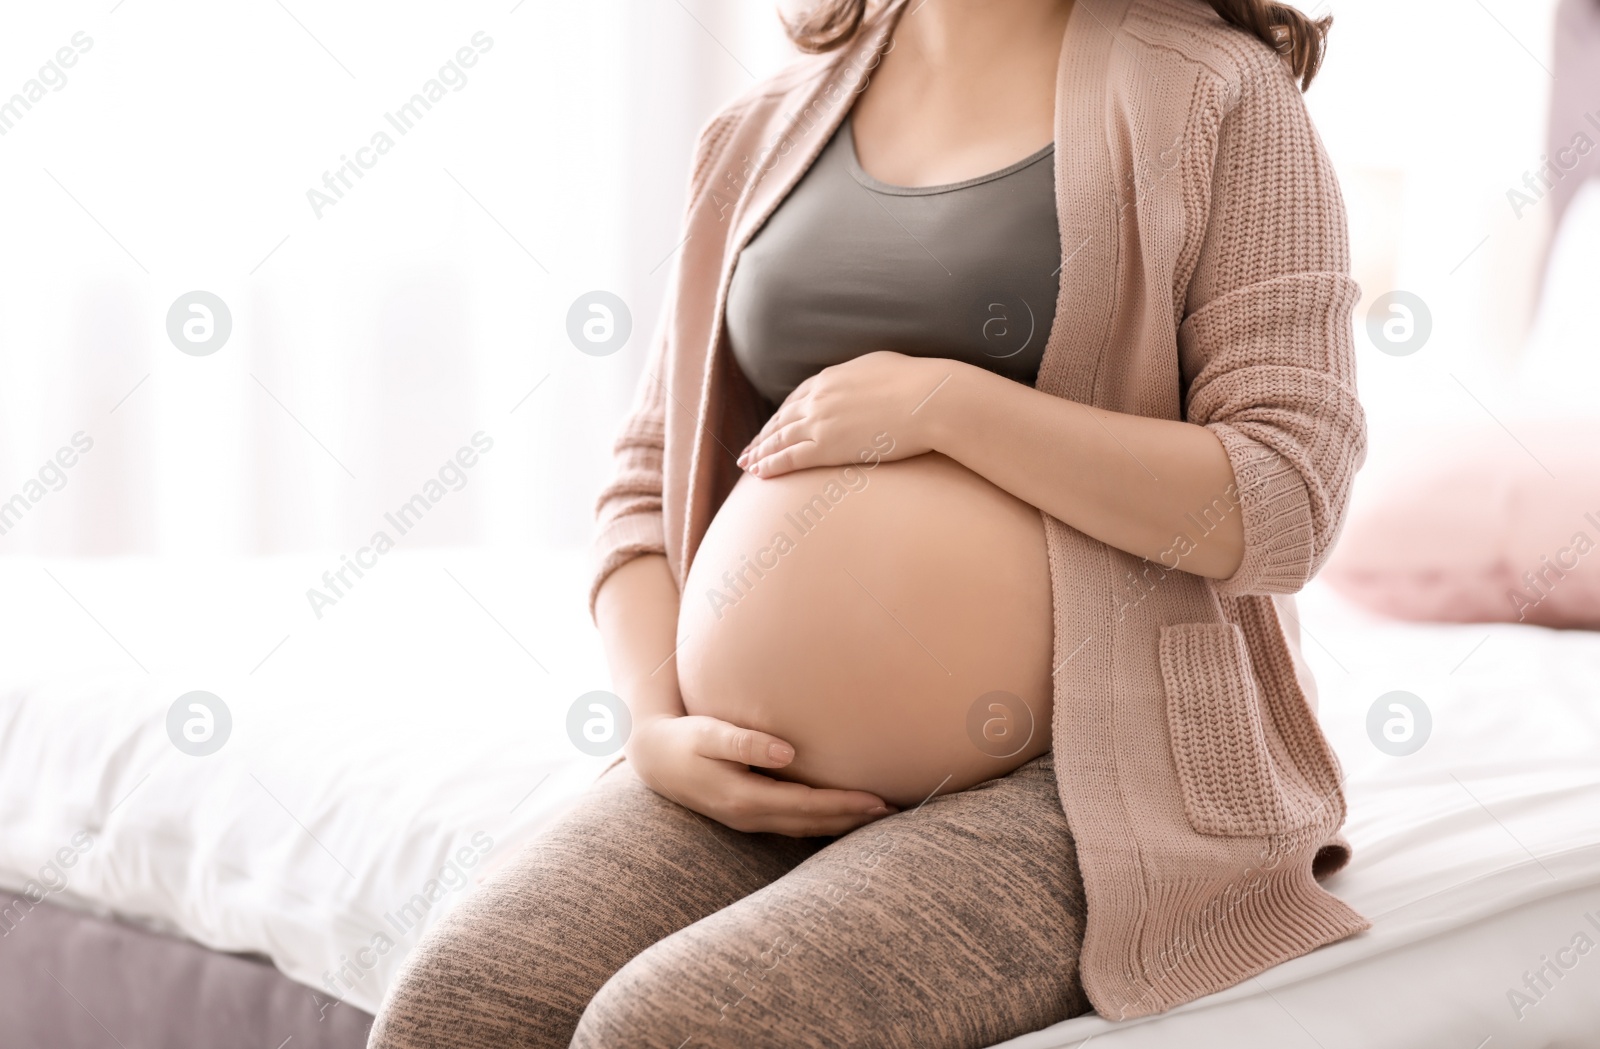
847 265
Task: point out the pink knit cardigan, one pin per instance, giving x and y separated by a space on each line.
1206 278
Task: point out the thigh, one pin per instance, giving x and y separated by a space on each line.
954 925
517 961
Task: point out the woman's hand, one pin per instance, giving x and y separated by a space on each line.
703 764
849 413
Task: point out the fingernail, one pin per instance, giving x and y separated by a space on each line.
755 468
780 751
881 810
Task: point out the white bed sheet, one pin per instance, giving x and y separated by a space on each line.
429 706
370 746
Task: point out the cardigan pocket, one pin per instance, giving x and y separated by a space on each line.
1232 785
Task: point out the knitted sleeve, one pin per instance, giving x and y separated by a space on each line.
1266 344
629 510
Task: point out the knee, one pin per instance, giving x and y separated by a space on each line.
629 1010
464 987
654 1003
415 1009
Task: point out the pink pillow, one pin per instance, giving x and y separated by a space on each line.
1475 530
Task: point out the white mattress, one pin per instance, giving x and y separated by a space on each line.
376 742
367 749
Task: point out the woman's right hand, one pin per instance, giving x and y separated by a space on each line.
704 764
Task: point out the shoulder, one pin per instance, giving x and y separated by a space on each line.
1237 65
845 69
747 123
758 101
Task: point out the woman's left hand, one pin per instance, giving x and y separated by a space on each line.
864 410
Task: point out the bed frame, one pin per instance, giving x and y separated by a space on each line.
71 980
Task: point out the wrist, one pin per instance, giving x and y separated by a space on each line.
651 695
944 386
641 736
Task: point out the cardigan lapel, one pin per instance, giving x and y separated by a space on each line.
1087 207
1085 654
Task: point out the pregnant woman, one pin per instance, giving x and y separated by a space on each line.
1004 394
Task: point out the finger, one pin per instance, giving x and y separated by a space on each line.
799 392
798 456
798 811
719 739
783 798
787 412
780 418
777 423
779 438
821 827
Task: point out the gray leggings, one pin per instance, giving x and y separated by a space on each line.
634 922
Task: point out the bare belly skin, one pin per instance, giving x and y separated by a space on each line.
892 622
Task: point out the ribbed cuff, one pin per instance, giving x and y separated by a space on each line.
1278 547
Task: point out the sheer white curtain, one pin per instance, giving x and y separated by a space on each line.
155 149
388 300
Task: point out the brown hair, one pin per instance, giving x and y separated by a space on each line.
831 23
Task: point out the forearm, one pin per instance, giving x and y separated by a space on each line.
636 611
1155 488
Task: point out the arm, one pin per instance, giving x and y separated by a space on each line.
1140 485
1126 480
637 613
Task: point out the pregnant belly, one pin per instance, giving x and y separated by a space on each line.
892 622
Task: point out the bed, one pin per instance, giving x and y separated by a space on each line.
422 714
270 889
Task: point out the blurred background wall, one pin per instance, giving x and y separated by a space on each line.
373 336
